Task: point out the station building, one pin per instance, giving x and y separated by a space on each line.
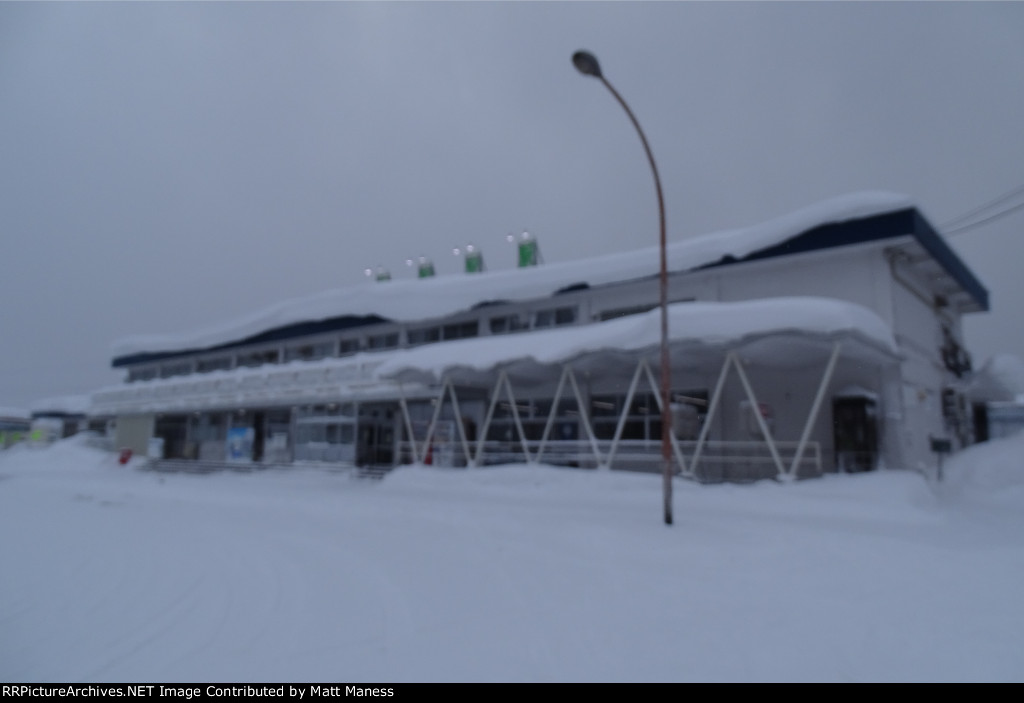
826 340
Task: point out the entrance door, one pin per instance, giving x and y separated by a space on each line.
855 428
259 427
376 445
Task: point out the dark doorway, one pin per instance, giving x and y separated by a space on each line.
259 434
173 429
375 444
855 430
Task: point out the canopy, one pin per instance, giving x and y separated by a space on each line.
778 332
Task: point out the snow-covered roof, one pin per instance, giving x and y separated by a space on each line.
420 299
762 329
13 413
63 405
1000 379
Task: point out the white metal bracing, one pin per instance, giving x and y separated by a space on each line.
504 390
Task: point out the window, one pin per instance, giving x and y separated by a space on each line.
424 335
644 418
258 358
217 363
179 368
208 427
555 316
382 341
309 352
508 323
141 374
325 432
461 330
348 347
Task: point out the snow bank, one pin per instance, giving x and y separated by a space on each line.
75 452
989 467
518 573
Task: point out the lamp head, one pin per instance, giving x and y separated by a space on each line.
586 63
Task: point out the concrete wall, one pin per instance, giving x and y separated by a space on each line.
134 432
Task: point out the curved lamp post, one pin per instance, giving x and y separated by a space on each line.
586 63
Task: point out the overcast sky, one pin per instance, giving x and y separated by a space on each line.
166 166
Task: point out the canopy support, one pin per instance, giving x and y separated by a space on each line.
502 380
568 374
815 409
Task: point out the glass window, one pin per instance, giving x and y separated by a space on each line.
565 316
309 352
180 368
258 358
142 374
208 427
382 341
604 406
461 330
424 335
348 346
218 363
508 323
554 316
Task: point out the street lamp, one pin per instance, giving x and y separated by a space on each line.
586 63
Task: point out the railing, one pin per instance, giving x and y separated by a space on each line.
719 461
206 466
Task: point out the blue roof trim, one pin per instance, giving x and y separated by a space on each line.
869 229
890 225
954 265
299 329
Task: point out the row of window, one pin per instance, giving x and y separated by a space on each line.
312 351
642 420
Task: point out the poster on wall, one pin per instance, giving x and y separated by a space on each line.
155 448
239 445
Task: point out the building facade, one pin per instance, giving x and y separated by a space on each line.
826 340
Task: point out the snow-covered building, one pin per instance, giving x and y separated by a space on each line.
59 417
997 393
14 424
828 339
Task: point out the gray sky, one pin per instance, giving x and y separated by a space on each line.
166 166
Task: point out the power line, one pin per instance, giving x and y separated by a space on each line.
981 208
983 214
990 218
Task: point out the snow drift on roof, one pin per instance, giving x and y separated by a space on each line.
68 404
692 326
420 299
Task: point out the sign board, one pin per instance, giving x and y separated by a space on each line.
239 444
155 448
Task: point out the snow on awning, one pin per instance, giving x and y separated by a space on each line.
780 332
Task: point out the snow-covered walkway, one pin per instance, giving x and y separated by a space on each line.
513 573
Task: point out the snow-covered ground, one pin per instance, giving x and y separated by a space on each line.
517 573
